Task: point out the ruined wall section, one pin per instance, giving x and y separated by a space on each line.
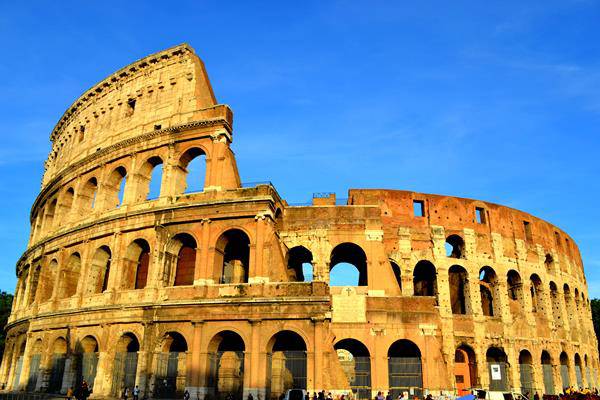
156 92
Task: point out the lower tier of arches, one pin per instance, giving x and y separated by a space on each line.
232 359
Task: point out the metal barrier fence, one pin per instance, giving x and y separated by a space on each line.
29 396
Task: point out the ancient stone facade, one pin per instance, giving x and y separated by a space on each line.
207 287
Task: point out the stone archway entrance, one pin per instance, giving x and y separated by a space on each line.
464 370
226 371
125 364
356 363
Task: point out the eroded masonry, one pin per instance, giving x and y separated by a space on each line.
139 272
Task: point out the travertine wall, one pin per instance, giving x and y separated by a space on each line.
205 290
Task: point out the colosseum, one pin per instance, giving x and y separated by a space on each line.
150 263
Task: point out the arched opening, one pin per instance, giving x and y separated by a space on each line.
299 264
69 277
18 367
549 263
455 246
547 373
355 360
232 256
182 254
425 279
347 259
46 284
34 365
488 288
66 204
405 368
286 363
526 373
465 370
86 362
115 188
537 299
458 280
35 280
99 271
515 286
87 196
226 369
170 367
49 216
569 306
498 369
555 300
578 371
588 374
397 274
135 265
564 370
192 166
57 368
150 179
125 363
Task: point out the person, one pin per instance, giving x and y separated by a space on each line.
136 392
321 395
388 396
429 397
307 396
401 396
186 395
69 393
379 396
315 396
250 397
329 396
125 393
536 396
85 390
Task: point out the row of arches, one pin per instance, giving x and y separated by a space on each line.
232 260
121 186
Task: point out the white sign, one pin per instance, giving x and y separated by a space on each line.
496 373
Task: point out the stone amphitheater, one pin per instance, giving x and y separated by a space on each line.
140 271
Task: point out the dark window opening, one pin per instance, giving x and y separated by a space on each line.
233 249
131 107
425 279
480 215
157 127
527 227
81 133
455 246
300 264
346 260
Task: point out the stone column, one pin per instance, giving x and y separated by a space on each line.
255 381
203 273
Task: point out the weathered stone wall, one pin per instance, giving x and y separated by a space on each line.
110 272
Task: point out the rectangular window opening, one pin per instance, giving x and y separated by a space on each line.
480 215
527 227
81 133
131 104
157 127
557 238
419 208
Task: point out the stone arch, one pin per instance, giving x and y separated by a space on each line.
537 294
549 263
458 281
287 362
565 370
526 372
114 188
149 179
125 363
99 270
88 196
405 368
49 215
578 370
547 372
46 285
343 255
136 264
35 359
86 361
299 264
226 365
498 368
555 300
425 279
57 365
170 366
181 260
192 172
488 291
232 256
455 246
465 369
36 272
66 203
355 360
69 277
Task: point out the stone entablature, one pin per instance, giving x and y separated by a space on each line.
204 285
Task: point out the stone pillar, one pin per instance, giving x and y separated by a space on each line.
194 367
255 381
444 301
204 274
256 272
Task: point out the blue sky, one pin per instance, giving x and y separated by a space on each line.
498 101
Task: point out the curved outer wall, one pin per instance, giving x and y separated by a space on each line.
210 278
